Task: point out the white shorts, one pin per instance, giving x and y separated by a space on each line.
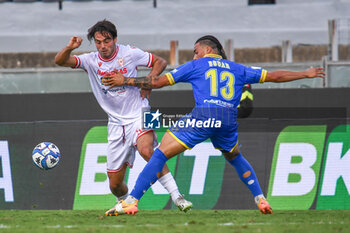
122 144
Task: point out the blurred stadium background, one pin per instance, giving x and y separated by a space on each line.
40 101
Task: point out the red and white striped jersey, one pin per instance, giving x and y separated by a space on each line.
123 104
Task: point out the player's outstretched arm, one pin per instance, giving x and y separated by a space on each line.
64 58
149 82
287 76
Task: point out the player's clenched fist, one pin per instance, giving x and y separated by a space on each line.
75 42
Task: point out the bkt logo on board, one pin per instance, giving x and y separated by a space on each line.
307 168
151 120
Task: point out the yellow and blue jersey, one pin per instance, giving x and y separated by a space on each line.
216 81
217 88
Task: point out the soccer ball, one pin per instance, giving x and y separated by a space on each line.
46 155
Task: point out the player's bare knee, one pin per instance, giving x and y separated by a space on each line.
146 152
231 155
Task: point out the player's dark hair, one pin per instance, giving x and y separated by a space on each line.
214 43
104 27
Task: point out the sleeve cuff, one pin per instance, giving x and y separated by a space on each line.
150 60
263 76
170 78
77 62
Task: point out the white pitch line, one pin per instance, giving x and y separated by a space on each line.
268 223
2 226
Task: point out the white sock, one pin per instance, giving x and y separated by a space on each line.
170 185
130 199
257 198
123 197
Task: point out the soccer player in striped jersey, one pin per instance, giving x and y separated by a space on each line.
123 105
217 87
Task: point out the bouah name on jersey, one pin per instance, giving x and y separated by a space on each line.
102 73
219 64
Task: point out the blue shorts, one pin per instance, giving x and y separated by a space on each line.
224 138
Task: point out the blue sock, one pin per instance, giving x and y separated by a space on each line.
148 176
246 173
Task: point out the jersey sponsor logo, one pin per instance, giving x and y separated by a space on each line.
99 64
6 177
218 102
102 73
199 175
117 90
255 68
296 174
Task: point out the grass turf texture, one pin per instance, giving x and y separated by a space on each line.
202 221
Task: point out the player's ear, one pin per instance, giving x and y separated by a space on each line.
208 50
115 40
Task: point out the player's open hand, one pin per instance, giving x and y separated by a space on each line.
315 72
113 79
75 42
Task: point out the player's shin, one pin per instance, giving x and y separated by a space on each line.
246 173
148 176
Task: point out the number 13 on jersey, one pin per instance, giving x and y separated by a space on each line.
226 91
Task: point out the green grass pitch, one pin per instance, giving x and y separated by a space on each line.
203 221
